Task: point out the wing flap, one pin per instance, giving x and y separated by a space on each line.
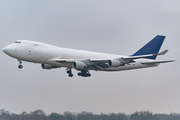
157 62
103 60
99 67
60 60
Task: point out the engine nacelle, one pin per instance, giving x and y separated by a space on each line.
47 66
79 65
115 63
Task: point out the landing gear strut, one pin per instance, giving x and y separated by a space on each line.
69 72
20 66
84 73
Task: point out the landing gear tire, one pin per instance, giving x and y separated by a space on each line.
88 75
79 74
69 72
70 75
84 73
20 66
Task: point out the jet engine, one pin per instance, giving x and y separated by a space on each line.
47 66
79 65
115 63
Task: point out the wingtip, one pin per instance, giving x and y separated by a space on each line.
173 60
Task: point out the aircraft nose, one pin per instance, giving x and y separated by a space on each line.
5 49
10 50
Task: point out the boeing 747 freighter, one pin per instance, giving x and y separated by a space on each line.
51 57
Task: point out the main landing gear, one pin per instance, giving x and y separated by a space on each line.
84 73
20 66
69 72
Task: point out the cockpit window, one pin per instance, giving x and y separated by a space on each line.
17 42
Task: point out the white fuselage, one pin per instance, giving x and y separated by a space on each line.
37 52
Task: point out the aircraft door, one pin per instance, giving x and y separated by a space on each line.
17 50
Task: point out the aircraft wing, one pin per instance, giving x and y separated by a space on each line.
102 63
60 60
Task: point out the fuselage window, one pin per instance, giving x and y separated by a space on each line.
35 44
17 42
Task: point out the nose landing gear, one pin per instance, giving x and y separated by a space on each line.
20 66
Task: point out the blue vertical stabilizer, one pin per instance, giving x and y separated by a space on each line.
151 47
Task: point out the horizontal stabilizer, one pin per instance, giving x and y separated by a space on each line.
163 52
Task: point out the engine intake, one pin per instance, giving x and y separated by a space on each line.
115 63
47 66
79 65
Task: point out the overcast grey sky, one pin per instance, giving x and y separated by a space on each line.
110 26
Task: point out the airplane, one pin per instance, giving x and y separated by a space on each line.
50 57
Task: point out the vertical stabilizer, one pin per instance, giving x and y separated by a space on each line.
151 47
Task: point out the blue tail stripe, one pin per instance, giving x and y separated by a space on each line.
151 47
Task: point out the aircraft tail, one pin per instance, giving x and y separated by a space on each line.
151 47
